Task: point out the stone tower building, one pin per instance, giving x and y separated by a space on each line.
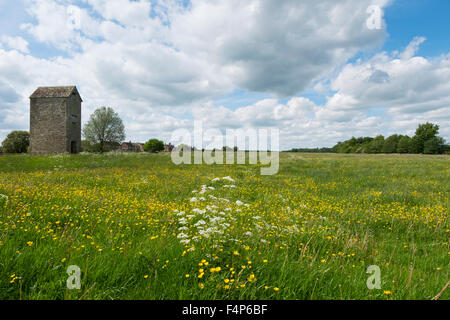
55 120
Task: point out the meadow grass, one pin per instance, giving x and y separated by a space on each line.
140 227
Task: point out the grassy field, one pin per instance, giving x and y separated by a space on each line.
140 227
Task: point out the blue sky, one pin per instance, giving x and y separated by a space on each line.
162 64
407 19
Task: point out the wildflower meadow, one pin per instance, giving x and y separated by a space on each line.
140 227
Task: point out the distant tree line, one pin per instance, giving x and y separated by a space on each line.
105 131
315 150
425 141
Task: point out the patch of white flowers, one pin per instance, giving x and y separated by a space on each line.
210 222
224 178
212 218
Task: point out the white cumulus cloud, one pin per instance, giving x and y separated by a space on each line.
161 64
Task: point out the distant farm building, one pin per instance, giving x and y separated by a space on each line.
55 120
132 147
169 147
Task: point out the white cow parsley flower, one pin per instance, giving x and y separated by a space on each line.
182 236
198 211
200 223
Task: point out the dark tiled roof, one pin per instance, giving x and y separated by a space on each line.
54 92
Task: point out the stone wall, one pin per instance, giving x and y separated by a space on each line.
73 124
51 128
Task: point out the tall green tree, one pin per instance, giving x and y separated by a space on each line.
424 132
435 145
404 144
16 142
376 145
103 128
154 145
390 144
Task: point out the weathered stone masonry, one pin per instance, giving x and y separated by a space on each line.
55 120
